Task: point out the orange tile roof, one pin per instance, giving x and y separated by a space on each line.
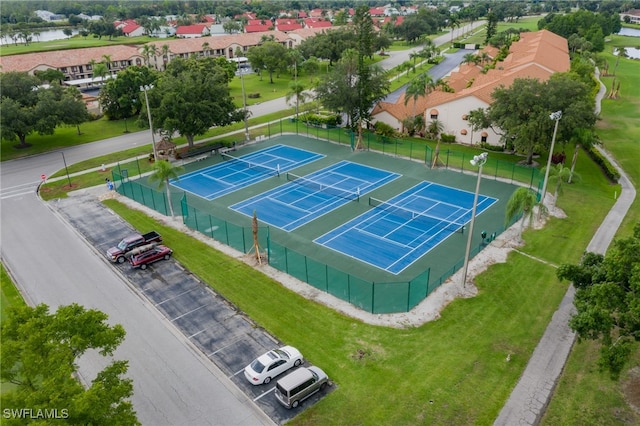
68 58
193 45
536 55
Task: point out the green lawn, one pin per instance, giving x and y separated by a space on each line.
75 42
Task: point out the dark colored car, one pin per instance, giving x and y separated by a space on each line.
124 248
155 253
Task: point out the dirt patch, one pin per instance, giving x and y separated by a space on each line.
631 389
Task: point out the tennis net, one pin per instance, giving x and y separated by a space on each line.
415 215
251 165
329 189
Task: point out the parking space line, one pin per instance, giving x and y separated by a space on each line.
233 342
176 296
266 393
187 313
235 374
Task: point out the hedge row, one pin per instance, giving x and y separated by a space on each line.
608 169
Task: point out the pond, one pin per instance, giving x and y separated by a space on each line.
629 32
45 35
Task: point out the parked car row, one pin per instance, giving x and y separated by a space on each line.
140 249
295 387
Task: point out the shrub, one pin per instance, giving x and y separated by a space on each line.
446 138
609 171
558 157
489 147
253 95
319 120
383 129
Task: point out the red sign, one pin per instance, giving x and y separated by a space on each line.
43 176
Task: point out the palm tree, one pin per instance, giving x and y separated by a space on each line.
522 201
165 51
163 172
469 58
206 48
434 129
297 92
559 175
619 52
106 59
416 89
100 70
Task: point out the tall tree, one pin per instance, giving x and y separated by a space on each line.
120 97
607 300
28 108
192 96
270 56
297 93
521 111
40 353
163 172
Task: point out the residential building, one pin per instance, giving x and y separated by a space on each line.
633 14
75 64
536 55
192 31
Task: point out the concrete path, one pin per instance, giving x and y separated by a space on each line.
529 399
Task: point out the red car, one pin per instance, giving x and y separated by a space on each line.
155 253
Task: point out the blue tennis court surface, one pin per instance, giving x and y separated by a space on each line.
397 232
235 173
308 197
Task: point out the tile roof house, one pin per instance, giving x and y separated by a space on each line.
192 31
633 14
75 64
129 28
536 55
258 26
287 25
316 23
224 45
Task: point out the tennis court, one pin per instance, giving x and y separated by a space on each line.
397 232
239 172
306 198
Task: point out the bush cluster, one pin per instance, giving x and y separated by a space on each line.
253 95
609 171
487 146
446 138
319 120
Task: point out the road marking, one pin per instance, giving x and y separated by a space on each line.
266 393
177 295
187 313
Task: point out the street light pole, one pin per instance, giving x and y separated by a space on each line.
554 116
153 138
247 137
478 160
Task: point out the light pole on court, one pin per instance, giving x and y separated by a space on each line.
554 116
478 160
153 138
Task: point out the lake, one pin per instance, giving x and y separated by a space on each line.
45 35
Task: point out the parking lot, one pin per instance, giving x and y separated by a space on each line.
223 334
